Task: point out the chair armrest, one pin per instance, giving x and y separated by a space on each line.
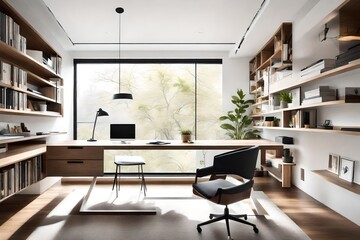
202 172
236 189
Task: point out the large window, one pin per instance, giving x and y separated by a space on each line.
169 95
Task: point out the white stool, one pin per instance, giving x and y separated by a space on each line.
129 161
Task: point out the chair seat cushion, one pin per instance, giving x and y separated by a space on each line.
209 189
129 160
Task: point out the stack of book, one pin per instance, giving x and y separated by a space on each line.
318 67
318 95
350 55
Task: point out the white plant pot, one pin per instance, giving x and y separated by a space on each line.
283 104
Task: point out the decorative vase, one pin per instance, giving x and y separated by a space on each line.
283 104
288 159
186 138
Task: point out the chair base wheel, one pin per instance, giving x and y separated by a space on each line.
199 229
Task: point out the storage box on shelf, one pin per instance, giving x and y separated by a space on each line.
22 77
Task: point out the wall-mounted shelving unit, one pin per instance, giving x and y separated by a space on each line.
284 113
22 164
40 81
274 57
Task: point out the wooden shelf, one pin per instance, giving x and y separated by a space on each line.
34 79
29 113
13 56
316 130
260 103
22 139
21 153
276 173
330 73
336 102
259 89
333 178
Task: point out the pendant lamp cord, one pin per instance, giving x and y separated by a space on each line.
119 48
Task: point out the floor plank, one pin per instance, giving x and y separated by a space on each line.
315 219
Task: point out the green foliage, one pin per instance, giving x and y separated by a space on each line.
285 97
185 132
238 128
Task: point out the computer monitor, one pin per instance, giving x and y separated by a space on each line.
122 132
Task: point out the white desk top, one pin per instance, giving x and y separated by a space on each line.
173 144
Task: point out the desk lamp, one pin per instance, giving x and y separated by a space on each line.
99 113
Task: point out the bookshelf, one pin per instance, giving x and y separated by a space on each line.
284 113
273 60
22 164
25 82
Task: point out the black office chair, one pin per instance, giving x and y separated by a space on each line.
240 164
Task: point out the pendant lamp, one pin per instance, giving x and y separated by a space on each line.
120 95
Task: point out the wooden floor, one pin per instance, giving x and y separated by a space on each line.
316 220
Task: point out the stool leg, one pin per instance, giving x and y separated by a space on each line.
143 184
114 182
118 181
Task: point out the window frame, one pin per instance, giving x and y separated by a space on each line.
136 61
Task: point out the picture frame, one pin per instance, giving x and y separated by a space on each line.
346 170
333 163
296 97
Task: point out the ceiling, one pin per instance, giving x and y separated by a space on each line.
171 25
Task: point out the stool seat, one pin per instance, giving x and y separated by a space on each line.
121 160
129 160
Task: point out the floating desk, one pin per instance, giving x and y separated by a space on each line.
83 158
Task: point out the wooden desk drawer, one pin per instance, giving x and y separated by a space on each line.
74 167
74 152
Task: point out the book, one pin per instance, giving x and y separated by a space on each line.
319 92
320 99
3 148
318 67
322 63
308 118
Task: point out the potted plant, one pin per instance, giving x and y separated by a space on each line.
276 122
238 128
285 99
185 135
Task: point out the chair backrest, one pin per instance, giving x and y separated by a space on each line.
240 162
